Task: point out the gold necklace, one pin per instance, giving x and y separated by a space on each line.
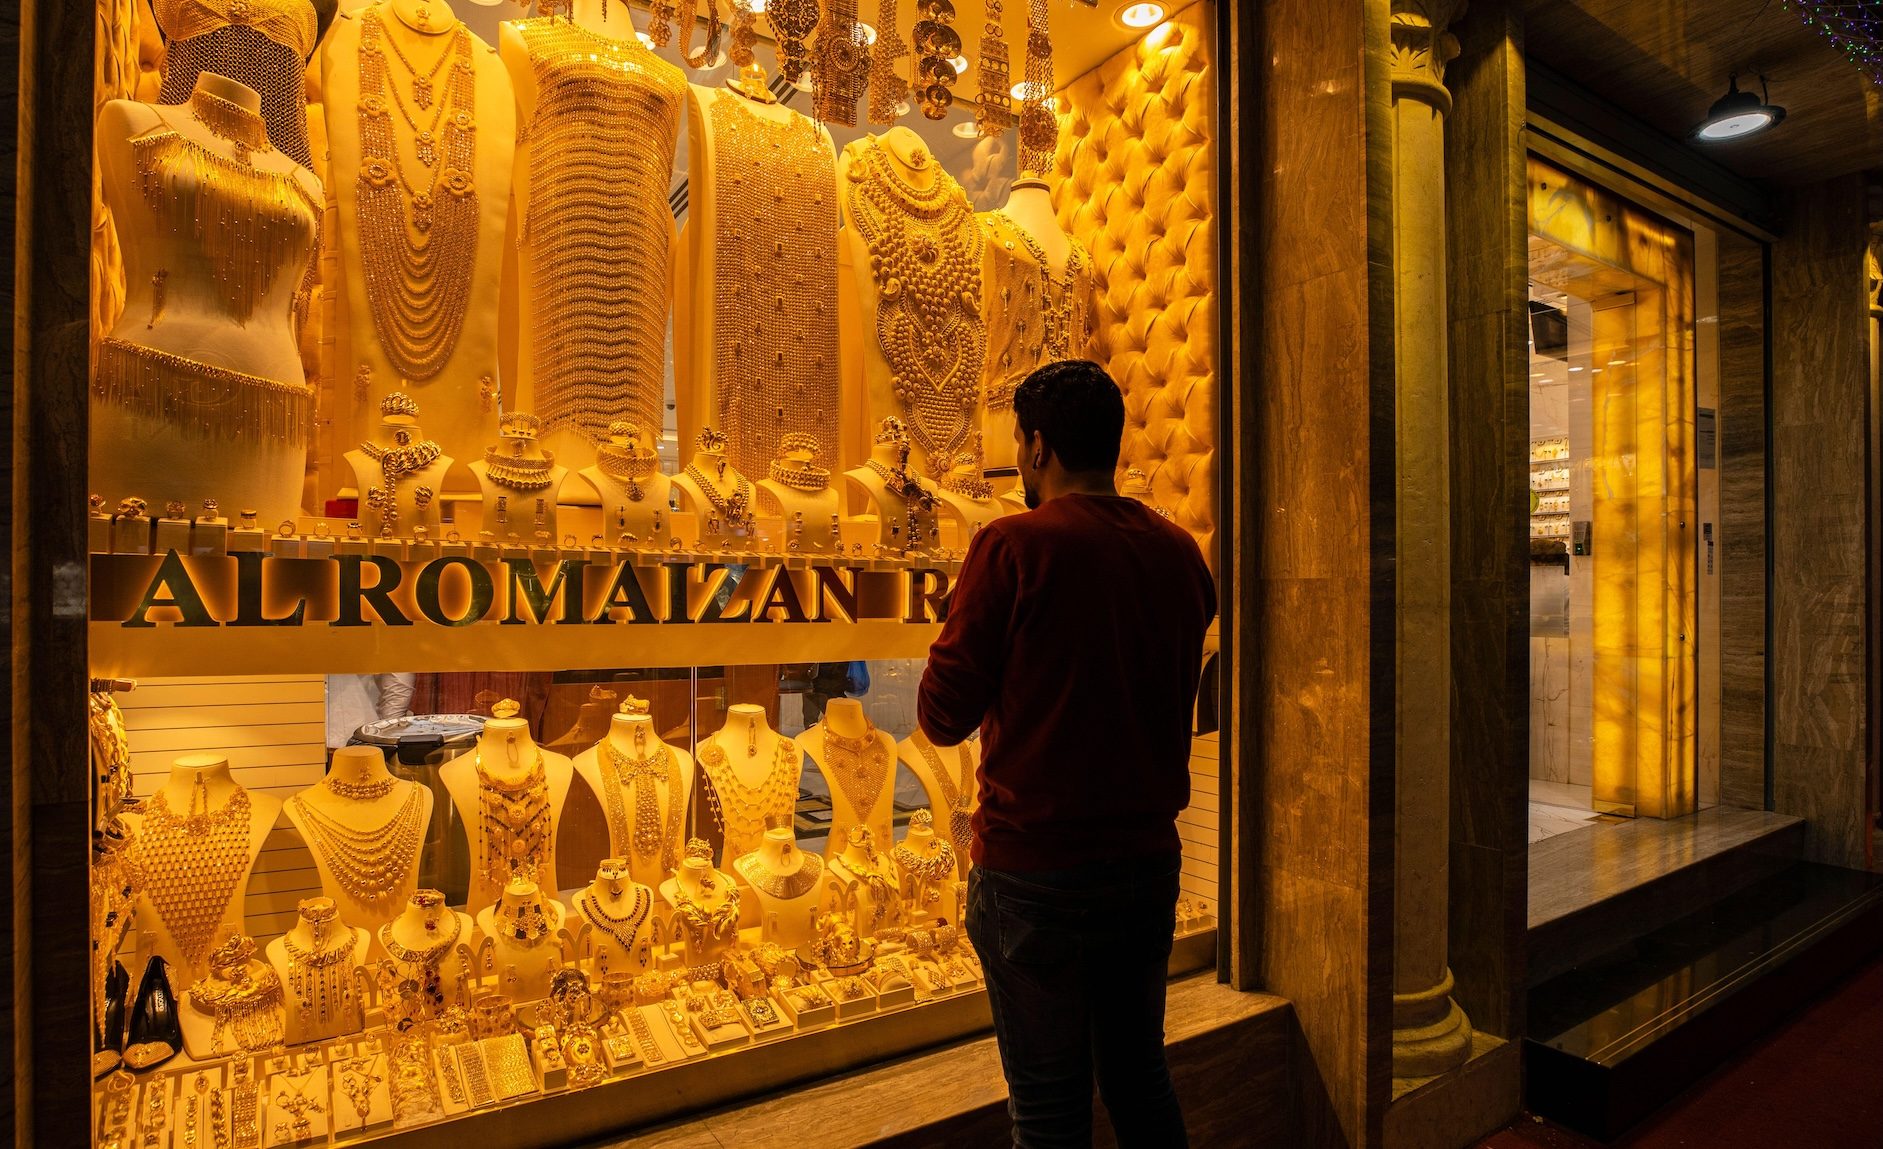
1058 301
857 766
397 462
267 49
774 284
743 813
515 820
525 925
955 792
194 864
781 886
370 865
993 112
199 399
732 505
627 466
646 834
925 257
886 85
424 956
842 64
230 121
518 472
321 980
601 143
242 996
622 928
418 289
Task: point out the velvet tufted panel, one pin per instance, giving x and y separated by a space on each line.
1135 181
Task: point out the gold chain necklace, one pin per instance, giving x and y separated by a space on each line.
370 865
397 462
230 121
781 886
1058 302
627 466
645 833
743 812
194 865
242 996
621 928
518 472
955 792
429 955
515 820
925 256
320 997
418 289
732 505
857 766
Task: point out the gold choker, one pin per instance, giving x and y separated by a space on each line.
230 121
800 476
518 472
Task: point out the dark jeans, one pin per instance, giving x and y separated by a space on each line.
1075 964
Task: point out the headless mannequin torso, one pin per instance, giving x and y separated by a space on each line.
613 770
498 787
754 774
620 910
360 800
521 484
787 882
318 960
859 763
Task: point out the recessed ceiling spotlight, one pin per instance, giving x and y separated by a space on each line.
757 6
646 40
1738 114
960 63
1024 90
869 31
967 131
1140 15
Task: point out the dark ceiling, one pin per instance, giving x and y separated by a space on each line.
1666 61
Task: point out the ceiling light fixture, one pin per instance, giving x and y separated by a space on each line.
966 130
1140 15
960 63
1738 114
757 6
869 32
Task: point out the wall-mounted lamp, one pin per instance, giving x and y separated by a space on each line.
1738 114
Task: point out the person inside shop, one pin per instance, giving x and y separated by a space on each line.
1074 642
353 700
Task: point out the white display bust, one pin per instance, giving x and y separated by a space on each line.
705 906
861 885
799 491
523 928
427 944
888 491
520 482
360 801
619 911
965 496
925 872
876 761
788 883
719 497
504 760
610 769
407 469
756 771
635 496
199 786
319 961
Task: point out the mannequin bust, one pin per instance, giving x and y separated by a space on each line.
360 802
509 794
758 341
859 763
199 390
399 474
719 497
427 323
754 772
319 961
885 488
787 882
426 948
199 836
922 365
635 496
643 786
966 497
594 235
925 872
799 491
860 885
948 777
620 910
520 480
522 926
1040 293
705 904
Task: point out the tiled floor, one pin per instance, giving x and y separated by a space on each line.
1557 808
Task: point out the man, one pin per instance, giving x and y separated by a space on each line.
353 700
1074 642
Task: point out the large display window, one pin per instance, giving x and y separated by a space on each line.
627 385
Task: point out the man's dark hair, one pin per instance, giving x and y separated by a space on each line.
1077 409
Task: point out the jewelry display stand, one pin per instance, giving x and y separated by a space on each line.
705 906
798 492
787 882
948 777
719 497
400 474
521 483
524 928
644 787
635 496
925 873
366 831
509 795
860 886
889 493
619 912
320 962
858 762
752 774
428 949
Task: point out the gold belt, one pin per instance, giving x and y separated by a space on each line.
198 398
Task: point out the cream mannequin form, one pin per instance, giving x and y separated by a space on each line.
612 21
507 753
709 468
860 883
773 874
923 898
507 508
317 931
635 500
961 762
348 813
205 780
844 717
176 304
716 898
872 499
461 394
631 733
966 498
524 969
810 516
424 925
813 303
919 168
399 430
764 766
617 906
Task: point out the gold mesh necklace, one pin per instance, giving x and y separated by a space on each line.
194 863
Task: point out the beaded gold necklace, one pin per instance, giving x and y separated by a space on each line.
743 813
646 833
193 865
514 816
369 865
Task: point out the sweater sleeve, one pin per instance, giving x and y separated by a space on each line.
966 663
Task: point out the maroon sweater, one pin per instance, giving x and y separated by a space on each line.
1074 641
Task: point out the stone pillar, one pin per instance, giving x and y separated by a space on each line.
1430 1033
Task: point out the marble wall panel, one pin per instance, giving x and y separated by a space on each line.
1818 460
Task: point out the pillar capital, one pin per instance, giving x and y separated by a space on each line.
1422 47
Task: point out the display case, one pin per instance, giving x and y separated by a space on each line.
638 400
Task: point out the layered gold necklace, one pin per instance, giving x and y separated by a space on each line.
601 146
622 928
627 466
194 864
646 833
957 793
925 257
515 819
519 472
320 980
369 864
418 241
857 766
774 282
745 812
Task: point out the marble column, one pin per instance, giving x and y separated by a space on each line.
1430 1033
